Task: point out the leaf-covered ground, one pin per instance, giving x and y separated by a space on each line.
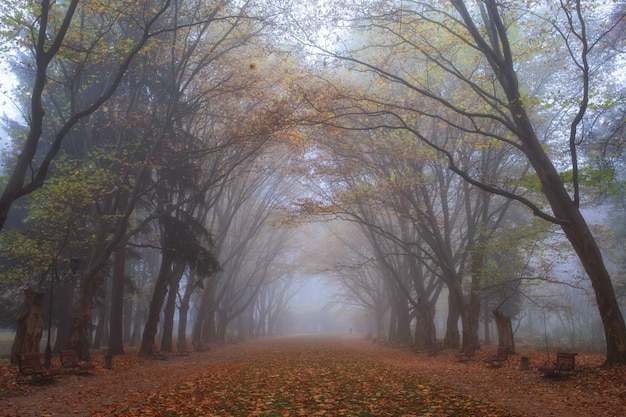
318 377
310 379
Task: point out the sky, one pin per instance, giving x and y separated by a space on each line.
7 109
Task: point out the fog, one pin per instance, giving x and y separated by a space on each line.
245 175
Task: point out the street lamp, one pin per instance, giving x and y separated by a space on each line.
74 265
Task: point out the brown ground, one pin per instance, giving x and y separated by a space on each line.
593 391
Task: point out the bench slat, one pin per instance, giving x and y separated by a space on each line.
69 360
564 363
29 364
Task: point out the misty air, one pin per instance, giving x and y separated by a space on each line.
290 208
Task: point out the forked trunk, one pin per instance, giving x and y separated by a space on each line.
156 304
169 311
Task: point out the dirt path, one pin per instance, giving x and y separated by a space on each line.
133 380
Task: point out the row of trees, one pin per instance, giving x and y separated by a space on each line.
174 173
435 128
461 113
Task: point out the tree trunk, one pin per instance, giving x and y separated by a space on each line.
204 327
116 336
425 329
64 297
101 333
582 240
170 308
403 321
393 324
423 322
505 331
127 317
137 324
486 323
183 313
452 338
29 325
81 315
470 334
156 304
209 327
221 327
379 318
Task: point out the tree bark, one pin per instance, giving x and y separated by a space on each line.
452 337
137 324
170 309
64 297
156 304
183 313
81 315
486 323
100 335
423 326
204 326
127 316
116 337
403 321
29 325
505 331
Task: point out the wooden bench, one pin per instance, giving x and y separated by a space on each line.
501 356
564 364
467 353
30 367
69 360
199 347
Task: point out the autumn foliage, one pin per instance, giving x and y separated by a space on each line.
320 377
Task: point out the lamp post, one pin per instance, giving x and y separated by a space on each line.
74 264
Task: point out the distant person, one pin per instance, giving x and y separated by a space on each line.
350 330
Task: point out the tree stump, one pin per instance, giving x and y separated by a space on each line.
524 363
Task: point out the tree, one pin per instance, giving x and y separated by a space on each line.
58 213
478 44
47 28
